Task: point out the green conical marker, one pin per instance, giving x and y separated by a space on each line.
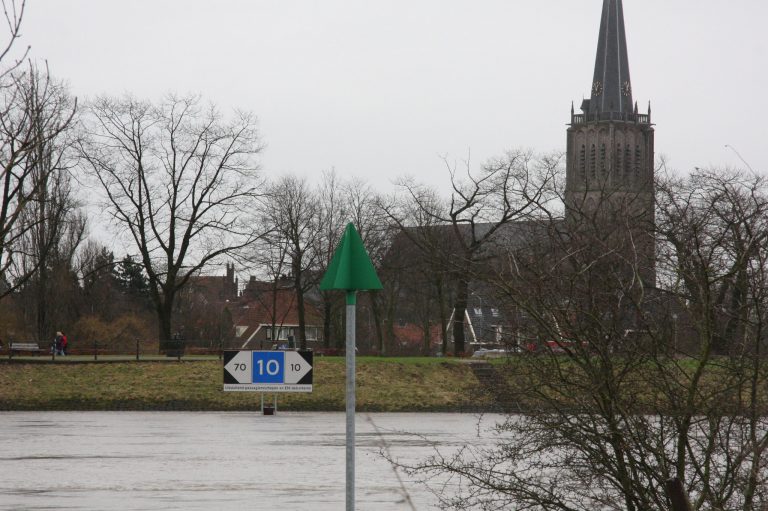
350 270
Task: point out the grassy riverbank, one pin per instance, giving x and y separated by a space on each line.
408 384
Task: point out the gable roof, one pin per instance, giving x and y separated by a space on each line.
279 307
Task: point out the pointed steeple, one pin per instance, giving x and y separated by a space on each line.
611 87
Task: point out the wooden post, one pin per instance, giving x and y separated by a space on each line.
95 349
677 495
137 350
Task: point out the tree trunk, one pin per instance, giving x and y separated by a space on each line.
327 311
377 323
164 313
459 312
677 495
42 304
443 316
300 309
302 323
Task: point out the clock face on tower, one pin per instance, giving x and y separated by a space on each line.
626 88
597 88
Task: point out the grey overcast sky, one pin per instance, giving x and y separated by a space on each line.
381 89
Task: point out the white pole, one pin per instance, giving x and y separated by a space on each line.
351 299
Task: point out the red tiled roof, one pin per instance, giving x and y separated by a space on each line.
259 310
213 288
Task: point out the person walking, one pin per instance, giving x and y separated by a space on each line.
64 343
56 348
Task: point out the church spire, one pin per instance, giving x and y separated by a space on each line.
611 87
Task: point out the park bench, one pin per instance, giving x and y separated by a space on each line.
23 347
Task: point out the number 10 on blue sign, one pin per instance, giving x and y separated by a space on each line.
268 367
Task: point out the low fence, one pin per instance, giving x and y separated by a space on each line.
142 349
138 349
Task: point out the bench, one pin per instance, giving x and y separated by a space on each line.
23 347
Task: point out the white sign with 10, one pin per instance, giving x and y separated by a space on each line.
268 371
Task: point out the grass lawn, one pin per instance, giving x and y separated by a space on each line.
195 383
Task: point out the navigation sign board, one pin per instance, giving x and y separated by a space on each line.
268 371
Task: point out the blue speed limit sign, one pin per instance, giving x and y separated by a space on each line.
268 366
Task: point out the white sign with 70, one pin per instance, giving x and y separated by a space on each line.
268 371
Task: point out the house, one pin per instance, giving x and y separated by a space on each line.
267 316
212 289
203 307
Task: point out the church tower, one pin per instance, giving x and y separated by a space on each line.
610 155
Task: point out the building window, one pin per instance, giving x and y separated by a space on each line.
592 162
583 161
627 159
495 313
602 159
282 333
478 311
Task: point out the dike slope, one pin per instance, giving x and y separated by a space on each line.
383 385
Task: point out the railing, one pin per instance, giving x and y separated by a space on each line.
102 350
124 350
610 116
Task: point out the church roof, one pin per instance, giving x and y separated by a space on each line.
611 87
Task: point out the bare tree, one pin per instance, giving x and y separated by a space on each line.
362 206
292 210
333 213
13 12
179 180
270 256
506 190
628 390
417 284
56 224
35 158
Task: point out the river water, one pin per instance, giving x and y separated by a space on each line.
217 461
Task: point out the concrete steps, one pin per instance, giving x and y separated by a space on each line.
494 384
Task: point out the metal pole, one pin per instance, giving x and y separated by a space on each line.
351 301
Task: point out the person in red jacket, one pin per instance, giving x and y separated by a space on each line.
63 344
